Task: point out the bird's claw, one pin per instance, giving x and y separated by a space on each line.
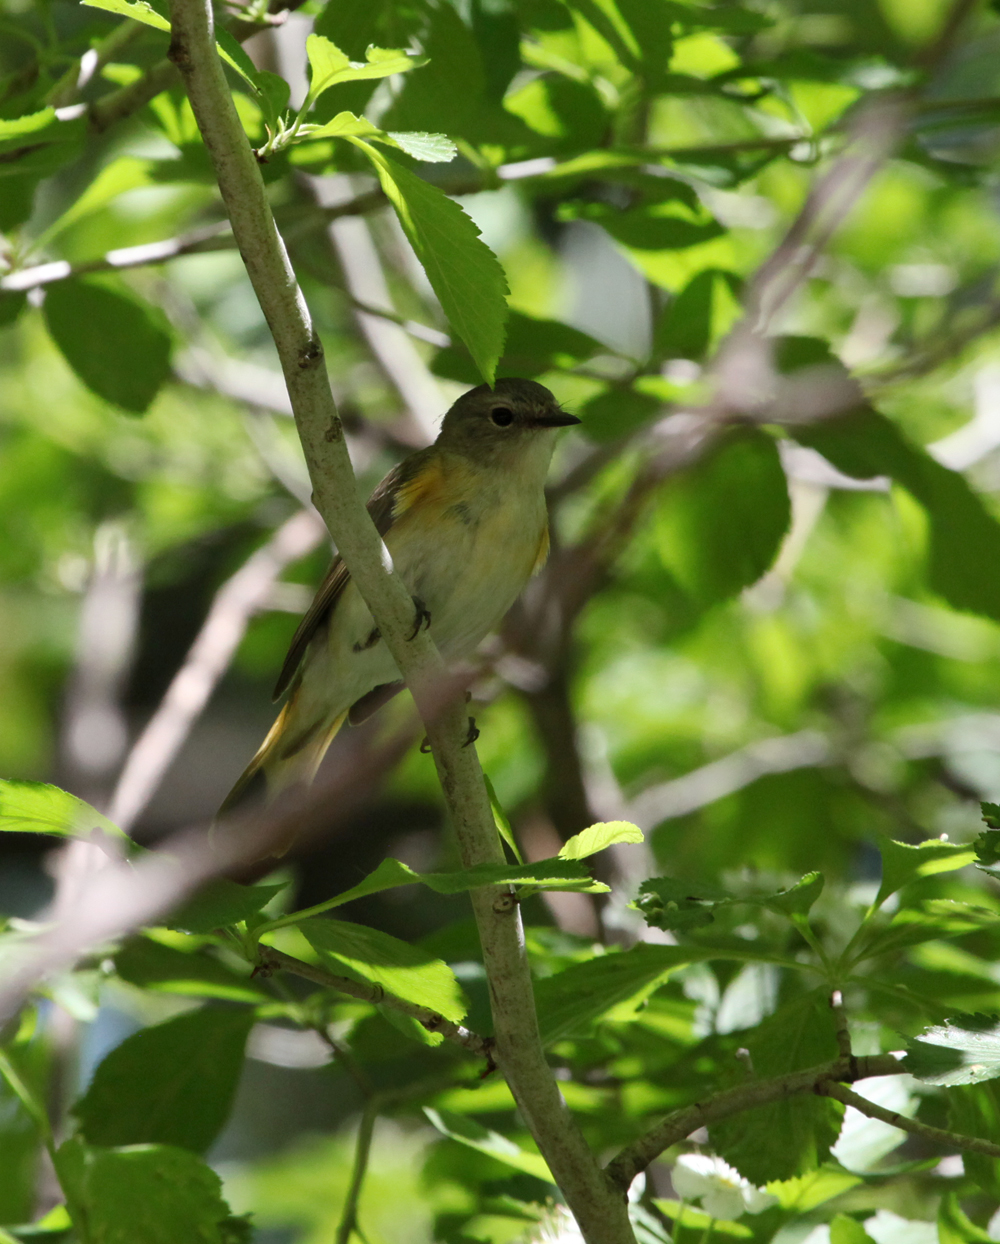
473 733
373 638
422 618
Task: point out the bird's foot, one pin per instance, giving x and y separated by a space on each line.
422 618
374 636
473 733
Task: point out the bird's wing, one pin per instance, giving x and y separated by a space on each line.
384 508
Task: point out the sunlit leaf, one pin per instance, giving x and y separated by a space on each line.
599 837
331 67
903 862
962 1050
38 808
467 1132
220 903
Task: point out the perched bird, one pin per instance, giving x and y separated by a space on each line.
466 524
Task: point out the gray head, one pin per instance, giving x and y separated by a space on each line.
510 417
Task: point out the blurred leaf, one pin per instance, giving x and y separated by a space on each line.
719 524
171 1084
844 1230
941 918
38 808
797 899
806 1192
571 1000
954 1225
533 346
221 903
792 1137
991 815
373 957
467 1132
903 862
618 411
144 1194
112 340
688 1218
669 903
963 1050
598 838
151 965
964 536
685 327
462 270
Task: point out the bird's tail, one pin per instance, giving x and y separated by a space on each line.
290 755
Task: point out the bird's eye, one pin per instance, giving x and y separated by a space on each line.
502 416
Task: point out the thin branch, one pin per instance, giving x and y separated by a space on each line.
271 959
348 1224
634 1158
936 1135
239 598
601 1213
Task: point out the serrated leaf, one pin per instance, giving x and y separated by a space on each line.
331 67
373 957
667 903
991 815
806 1192
598 837
143 1194
468 1132
903 862
464 273
114 342
570 1001
792 1137
962 1050
221 903
39 808
172 1083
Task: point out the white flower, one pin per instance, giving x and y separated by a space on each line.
558 1227
723 1192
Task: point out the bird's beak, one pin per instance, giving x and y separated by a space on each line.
558 420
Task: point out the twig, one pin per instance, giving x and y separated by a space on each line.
431 1020
635 1157
239 598
600 1211
936 1135
348 1224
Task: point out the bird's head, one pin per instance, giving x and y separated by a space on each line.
514 417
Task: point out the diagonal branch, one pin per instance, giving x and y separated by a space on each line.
602 1213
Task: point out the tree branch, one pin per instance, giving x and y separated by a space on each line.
635 1157
936 1135
599 1209
271 959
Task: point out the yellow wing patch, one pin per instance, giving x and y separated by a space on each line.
425 488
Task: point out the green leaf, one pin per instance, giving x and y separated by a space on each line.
463 271
165 969
170 1084
533 347
430 148
330 67
991 815
806 1192
797 899
954 1225
618 411
501 821
974 1110
598 837
145 1194
11 303
964 537
720 524
688 1218
667 903
221 903
371 956
685 328
112 340
570 1001
844 1230
792 1137
137 10
467 1132
903 862
38 808
939 918
963 1050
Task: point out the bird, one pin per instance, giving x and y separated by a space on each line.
466 525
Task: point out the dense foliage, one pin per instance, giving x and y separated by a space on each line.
767 634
